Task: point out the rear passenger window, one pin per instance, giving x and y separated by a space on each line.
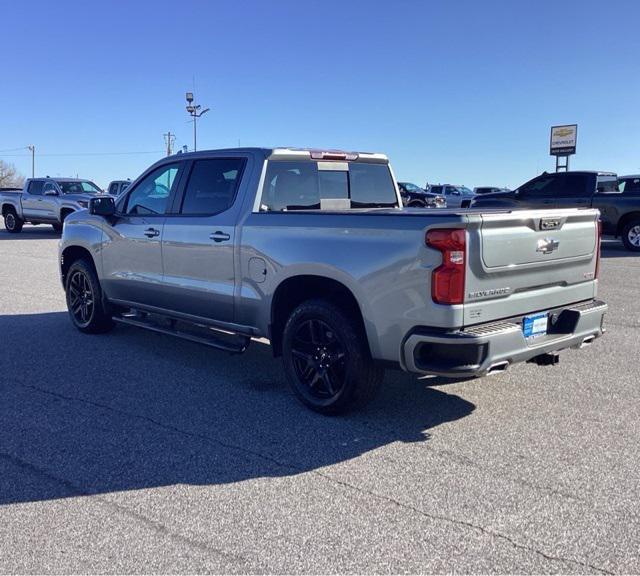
212 185
572 185
35 187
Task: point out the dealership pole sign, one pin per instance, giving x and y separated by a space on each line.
563 140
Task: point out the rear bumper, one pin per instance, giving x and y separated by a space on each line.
485 348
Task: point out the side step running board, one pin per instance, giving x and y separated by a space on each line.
234 343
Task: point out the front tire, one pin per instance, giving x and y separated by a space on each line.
84 299
12 222
326 359
631 236
57 228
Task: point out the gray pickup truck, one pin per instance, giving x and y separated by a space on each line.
314 251
45 201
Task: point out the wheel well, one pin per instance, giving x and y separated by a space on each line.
293 291
71 255
6 208
626 219
65 212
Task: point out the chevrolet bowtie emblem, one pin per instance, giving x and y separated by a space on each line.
547 245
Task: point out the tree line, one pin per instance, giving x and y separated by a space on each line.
9 176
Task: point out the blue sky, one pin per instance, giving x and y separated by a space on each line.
456 91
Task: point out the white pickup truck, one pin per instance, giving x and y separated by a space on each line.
45 201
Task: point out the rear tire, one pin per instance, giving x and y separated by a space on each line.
327 360
84 299
12 222
631 235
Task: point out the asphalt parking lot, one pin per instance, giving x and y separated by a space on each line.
133 452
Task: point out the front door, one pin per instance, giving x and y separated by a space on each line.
50 201
198 241
132 252
453 197
538 193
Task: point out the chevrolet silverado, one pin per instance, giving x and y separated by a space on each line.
314 251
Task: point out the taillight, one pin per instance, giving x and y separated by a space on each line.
447 280
598 248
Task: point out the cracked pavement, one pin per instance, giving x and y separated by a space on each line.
135 452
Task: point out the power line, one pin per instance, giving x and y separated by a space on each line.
88 153
14 149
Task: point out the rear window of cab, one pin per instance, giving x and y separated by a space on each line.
304 185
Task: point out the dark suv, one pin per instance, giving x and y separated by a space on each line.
620 212
416 197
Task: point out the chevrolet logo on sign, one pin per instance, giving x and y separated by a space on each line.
563 132
547 245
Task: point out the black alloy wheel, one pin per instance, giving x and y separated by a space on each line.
81 299
89 311
326 358
319 359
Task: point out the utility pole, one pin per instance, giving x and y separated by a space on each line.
32 148
195 113
169 140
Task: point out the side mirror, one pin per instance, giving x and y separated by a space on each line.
51 193
105 206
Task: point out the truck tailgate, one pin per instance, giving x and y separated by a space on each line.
529 260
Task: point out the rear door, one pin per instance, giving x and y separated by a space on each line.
525 261
132 251
32 206
199 238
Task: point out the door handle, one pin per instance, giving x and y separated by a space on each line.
219 236
151 232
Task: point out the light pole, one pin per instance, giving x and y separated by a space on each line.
195 112
32 148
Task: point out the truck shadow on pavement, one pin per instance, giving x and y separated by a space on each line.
83 415
612 248
44 232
